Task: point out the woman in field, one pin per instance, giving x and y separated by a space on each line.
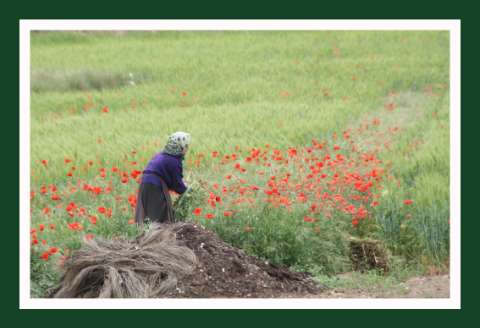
163 173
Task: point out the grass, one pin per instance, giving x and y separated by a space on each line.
227 76
233 91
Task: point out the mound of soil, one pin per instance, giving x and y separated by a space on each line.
226 271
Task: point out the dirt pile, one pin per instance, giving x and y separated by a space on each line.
177 260
226 271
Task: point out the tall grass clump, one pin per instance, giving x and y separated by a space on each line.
48 80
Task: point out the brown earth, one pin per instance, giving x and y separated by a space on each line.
428 287
437 286
226 271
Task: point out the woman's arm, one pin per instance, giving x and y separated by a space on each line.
177 178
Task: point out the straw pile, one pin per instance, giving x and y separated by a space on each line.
368 254
150 266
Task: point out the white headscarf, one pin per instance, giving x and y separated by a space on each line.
177 143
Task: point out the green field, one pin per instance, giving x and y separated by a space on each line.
109 100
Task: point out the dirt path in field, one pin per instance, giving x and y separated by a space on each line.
416 287
427 287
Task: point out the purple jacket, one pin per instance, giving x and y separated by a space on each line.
169 168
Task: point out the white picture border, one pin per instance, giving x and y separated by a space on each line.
26 302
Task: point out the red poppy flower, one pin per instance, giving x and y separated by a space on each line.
227 213
135 173
89 236
93 219
71 206
105 109
197 211
75 226
301 197
44 162
350 209
45 256
102 209
53 250
354 222
308 219
408 201
67 160
362 213
41 227
292 152
209 216
97 190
